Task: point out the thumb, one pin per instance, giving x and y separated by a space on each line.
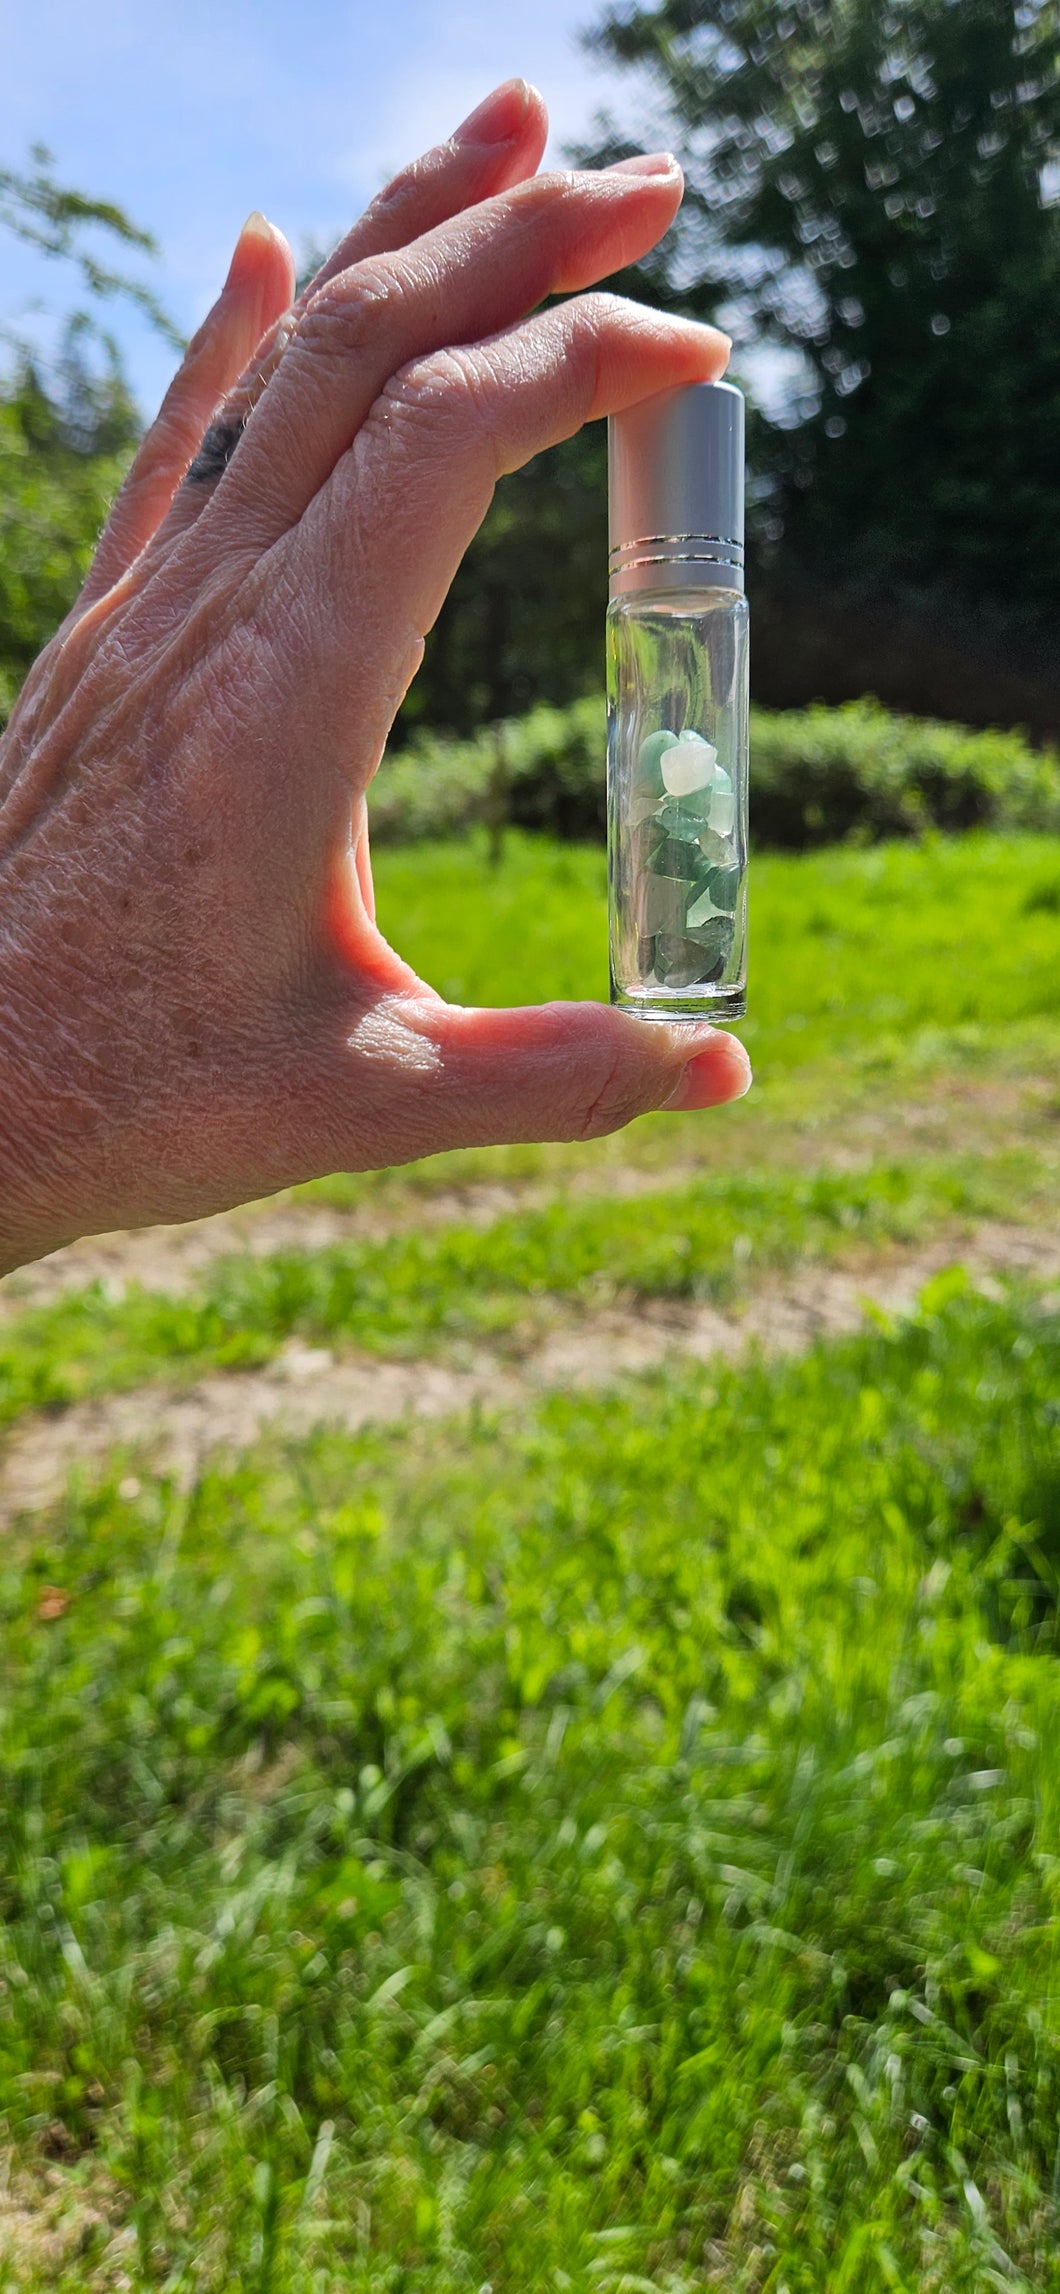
475 1078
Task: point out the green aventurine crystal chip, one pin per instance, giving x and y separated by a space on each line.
723 811
677 817
678 961
685 816
685 959
676 856
715 895
653 852
714 940
690 813
702 908
719 851
724 886
661 903
648 777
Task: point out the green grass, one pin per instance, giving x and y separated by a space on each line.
859 948
927 972
613 1850
616 1850
432 1289
902 971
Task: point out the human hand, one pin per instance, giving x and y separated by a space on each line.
196 1006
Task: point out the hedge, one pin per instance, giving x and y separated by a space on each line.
818 776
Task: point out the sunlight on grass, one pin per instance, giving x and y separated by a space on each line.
907 970
458 1856
433 1289
849 947
612 1848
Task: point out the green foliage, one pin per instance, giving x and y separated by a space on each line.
867 181
64 447
67 426
51 217
542 771
817 775
614 1849
523 622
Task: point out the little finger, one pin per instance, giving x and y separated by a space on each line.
258 288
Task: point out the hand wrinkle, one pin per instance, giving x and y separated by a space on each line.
384 1040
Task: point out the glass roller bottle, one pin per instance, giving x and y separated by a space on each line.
677 651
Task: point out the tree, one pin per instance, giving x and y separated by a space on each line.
47 215
68 423
871 184
524 619
65 441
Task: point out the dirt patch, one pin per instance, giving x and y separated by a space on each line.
998 1112
173 1259
786 1314
163 1430
173 1432
51 2225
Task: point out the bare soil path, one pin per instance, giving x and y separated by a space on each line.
170 1430
949 1113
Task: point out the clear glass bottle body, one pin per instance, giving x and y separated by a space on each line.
677 802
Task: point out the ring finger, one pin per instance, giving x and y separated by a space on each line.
497 146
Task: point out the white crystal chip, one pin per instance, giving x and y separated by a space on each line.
689 765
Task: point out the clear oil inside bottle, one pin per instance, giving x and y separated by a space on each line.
677 803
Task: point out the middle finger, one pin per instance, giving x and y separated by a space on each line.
499 144
476 274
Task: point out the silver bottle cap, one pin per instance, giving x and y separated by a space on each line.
675 491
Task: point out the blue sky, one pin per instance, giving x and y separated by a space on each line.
189 113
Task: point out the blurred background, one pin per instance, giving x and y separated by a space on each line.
529 1733
871 211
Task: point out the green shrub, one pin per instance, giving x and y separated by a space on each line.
63 454
544 771
817 776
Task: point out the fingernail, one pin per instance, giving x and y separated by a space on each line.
500 117
644 163
716 1075
255 234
